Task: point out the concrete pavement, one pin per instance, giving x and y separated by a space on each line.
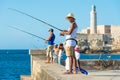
105 75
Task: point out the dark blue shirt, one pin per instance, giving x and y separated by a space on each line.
51 41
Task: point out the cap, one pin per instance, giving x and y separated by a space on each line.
51 30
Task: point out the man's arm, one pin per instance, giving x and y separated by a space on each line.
65 32
50 36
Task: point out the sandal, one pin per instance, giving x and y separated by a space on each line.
68 73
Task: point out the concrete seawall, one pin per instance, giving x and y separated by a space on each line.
52 71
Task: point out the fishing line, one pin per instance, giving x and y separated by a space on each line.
35 18
27 32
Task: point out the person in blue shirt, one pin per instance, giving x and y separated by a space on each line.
50 41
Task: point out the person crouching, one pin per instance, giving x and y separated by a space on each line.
77 55
61 53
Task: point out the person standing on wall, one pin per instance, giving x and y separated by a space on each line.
50 41
70 42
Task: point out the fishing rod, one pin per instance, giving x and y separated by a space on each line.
26 32
35 18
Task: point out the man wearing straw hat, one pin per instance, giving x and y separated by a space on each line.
70 42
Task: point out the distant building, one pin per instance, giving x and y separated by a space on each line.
99 29
93 20
85 31
103 29
105 34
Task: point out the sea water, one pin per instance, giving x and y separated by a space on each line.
13 64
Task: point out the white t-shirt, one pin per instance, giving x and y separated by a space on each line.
77 50
77 55
60 53
72 35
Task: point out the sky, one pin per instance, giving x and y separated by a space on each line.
53 12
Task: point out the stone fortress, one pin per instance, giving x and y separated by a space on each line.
100 36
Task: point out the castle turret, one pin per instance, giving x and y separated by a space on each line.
93 20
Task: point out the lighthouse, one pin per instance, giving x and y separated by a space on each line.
93 20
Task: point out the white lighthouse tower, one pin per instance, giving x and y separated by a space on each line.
93 20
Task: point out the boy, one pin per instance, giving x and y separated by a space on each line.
61 53
55 54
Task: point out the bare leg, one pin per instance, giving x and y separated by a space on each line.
70 64
48 60
78 64
51 59
75 63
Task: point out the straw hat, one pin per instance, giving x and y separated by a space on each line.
70 15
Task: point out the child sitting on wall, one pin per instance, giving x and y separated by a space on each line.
61 53
77 55
55 54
